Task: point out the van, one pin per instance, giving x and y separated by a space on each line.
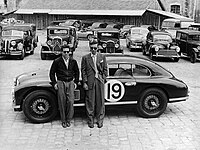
171 25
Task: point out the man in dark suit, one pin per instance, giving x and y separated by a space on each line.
94 72
65 70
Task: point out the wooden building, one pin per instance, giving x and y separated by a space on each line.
136 12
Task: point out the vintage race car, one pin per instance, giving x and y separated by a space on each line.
130 80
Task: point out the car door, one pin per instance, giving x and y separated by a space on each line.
183 43
120 86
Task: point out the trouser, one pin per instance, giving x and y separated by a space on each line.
95 102
66 100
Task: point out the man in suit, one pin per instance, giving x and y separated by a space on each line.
94 72
64 76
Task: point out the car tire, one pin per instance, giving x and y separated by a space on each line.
21 57
40 106
152 103
176 59
193 57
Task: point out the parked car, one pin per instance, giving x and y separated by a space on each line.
59 37
17 40
72 22
140 81
189 42
124 30
97 25
108 40
136 38
194 26
160 44
115 25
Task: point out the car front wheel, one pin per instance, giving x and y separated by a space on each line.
40 106
152 103
193 57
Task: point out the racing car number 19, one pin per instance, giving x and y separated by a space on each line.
114 90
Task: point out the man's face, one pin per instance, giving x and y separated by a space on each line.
66 53
93 49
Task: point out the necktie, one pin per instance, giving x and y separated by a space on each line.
95 66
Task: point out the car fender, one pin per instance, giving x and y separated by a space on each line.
195 50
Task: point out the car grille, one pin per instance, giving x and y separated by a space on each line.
57 44
167 52
110 47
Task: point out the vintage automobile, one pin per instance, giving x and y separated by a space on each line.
160 44
189 42
136 38
124 30
59 37
108 40
130 80
18 40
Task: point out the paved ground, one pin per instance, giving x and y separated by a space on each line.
177 129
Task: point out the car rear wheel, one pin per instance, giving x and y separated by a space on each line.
152 103
193 57
40 106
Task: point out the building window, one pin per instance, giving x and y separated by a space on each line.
175 9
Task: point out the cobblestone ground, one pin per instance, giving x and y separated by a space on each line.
177 129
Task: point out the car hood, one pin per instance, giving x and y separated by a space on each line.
33 78
56 36
109 39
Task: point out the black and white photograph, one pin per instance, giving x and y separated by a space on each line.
99 74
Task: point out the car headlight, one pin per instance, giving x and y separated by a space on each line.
49 42
156 48
116 45
20 46
104 45
64 42
198 48
13 43
178 49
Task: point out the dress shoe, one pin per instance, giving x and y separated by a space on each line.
91 125
99 125
64 124
68 123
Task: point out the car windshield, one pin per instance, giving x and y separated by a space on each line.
12 33
139 31
58 32
160 38
108 35
194 37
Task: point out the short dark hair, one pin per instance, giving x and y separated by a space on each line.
93 41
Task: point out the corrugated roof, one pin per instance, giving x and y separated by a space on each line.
91 4
83 12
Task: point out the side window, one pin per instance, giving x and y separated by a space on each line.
183 37
119 70
178 35
139 70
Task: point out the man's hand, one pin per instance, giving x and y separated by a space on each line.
85 86
56 86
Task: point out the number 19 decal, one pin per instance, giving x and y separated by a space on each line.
114 90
